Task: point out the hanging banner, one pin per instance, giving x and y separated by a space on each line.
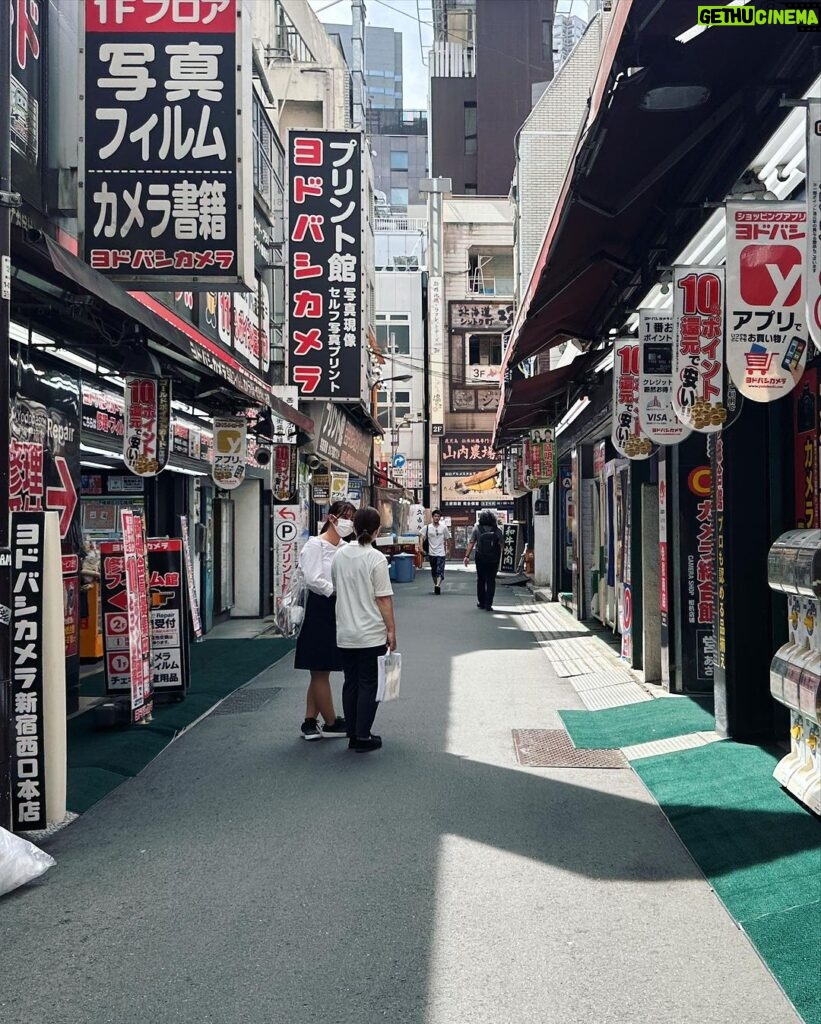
656 383
321 484
339 487
813 187
698 347
542 458
766 271
194 608
26 712
627 435
287 527
806 434
147 428
325 271
510 543
285 473
230 452
164 150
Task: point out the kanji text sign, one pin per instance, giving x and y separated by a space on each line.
161 192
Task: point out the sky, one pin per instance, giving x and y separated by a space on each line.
413 19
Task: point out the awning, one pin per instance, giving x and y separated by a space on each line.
166 326
636 188
531 402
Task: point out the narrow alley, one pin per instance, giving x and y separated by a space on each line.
246 876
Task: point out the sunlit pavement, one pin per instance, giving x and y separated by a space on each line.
247 876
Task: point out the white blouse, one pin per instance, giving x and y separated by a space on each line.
315 562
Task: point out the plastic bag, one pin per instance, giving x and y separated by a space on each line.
291 611
20 861
390 675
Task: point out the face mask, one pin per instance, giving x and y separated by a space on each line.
344 527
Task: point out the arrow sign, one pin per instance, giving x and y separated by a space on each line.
119 600
63 498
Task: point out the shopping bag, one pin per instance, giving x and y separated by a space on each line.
290 613
20 861
390 672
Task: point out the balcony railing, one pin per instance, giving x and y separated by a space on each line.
400 223
453 60
491 285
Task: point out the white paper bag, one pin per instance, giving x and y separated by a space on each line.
390 672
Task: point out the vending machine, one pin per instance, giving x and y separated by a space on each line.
794 568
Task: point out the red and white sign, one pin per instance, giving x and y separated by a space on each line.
63 498
196 621
135 559
656 383
287 531
813 186
147 432
698 348
766 289
627 435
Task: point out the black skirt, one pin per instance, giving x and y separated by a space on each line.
316 648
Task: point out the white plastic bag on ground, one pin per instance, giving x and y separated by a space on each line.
20 861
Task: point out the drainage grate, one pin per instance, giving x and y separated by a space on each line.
553 748
246 700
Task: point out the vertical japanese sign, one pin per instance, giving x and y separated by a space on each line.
196 622
510 538
230 451
656 414
147 429
627 435
664 569
168 622
698 350
696 573
542 457
814 220
27 718
436 348
162 161
28 115
285 473
135 560
325 272
766 312
286 548
71 604
805 432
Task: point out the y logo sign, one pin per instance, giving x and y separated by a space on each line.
770 275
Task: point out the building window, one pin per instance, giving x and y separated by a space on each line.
471 190
388 416
547 41
399 159
399 197
470 129
484 350
393 333
266 178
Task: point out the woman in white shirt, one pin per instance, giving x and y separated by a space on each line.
365 626
316 648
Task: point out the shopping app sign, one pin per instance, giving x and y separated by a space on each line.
766 287
656 383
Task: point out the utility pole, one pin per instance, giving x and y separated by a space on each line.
8 199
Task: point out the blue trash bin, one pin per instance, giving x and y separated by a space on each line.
405 569
392 570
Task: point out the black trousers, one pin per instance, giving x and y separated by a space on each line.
486 583
359 690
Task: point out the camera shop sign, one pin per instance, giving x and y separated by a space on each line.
162 139
325 263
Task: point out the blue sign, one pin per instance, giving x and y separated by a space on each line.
398 461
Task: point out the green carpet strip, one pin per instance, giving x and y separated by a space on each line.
100 760
639 723
760 850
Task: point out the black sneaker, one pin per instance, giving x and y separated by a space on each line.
337 728
310 730
437 589
365 746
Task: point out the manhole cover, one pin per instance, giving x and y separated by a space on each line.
246 700
553 748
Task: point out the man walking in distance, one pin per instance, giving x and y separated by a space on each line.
435 541
487 538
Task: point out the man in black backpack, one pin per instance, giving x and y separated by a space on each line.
487 539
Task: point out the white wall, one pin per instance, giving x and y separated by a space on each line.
247 550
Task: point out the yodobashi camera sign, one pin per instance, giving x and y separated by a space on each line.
164 143
230 452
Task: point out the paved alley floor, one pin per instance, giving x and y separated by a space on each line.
248 877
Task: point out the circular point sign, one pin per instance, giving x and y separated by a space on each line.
699 481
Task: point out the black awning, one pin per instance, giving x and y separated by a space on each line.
637 185
184 339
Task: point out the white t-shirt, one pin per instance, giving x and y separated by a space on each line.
315 561
360 575
436 535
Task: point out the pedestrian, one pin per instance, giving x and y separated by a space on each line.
487 539
438 537
365 626
316 648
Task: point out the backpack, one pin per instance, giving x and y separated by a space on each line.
425 542
488 545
